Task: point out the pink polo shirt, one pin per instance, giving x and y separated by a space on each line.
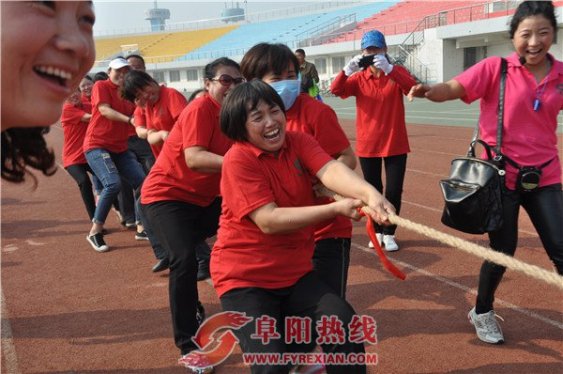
529 137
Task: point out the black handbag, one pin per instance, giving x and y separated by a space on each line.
473 191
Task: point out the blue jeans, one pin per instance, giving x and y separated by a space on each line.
109 167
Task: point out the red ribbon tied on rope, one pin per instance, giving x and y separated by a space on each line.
384 260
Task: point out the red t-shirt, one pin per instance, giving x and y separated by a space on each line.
164 113
170 178
102 132
380 111
320 121
244 256
140 118
74 131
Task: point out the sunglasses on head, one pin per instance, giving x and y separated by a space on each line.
227 80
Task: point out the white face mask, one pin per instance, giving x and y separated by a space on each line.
288 90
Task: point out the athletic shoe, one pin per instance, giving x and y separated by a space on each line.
487 327
196 363
389 243
97 242
141 235
379 238
129 225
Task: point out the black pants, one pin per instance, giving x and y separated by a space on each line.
545 208
179 227
79 172
309 297
395 167
331 261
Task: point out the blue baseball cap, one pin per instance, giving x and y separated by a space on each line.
373 38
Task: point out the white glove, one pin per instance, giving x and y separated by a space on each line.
353 65
380 62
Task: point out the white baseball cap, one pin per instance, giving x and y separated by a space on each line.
118 63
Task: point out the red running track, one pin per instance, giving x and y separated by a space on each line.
69 309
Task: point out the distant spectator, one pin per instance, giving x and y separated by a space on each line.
309 75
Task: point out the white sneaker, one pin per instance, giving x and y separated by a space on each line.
196 363
379 238
486 326
390 243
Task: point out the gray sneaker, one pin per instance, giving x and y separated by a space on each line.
486 326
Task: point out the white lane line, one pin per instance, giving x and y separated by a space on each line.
472 291
532 233
444 111
421 206
8 348
420 150
427 173
453 119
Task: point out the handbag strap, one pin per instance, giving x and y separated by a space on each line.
500 121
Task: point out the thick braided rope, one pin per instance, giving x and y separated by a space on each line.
477 250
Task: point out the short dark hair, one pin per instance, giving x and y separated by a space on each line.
195 93
299 50
211 69
100 76
266 57
134 81
534 8
136 56
244 98
88 78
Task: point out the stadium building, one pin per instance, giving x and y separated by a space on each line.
435 40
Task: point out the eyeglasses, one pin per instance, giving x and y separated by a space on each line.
227 80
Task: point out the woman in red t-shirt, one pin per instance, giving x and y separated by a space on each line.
261 263
381 132
161 105
106 149
180 196
74 121
331 259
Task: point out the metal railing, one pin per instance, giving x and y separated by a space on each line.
327 27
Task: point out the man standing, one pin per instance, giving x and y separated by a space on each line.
309 75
